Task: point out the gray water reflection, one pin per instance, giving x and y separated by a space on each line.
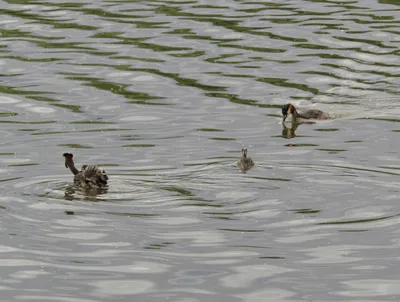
164 94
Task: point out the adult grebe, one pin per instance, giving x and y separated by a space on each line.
289 109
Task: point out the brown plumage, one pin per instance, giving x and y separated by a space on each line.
245 163
88 176
289 109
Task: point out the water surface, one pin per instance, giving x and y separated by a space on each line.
163 95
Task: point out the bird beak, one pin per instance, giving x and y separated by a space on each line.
284 118
66 165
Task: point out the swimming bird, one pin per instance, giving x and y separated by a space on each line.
89 175
289 109
245 163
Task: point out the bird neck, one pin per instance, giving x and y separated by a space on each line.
72 167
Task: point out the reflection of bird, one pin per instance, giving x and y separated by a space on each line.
245 163
289 109
289 132
89 175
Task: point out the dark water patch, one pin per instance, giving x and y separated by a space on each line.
301 145
133 215
222 138
357 220
272 178
331 151
272 257
10 179
305 211
28 123
150 60
178 190
210 130
49 132
243 230
254 48
327 129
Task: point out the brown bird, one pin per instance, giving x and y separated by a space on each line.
88 176
289 109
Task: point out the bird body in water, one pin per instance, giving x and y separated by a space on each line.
245 163
90 176
298 117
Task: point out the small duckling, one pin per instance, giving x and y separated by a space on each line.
245 163
299 117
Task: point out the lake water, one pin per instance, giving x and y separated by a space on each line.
163 95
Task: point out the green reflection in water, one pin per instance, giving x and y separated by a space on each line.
24 165
151 60
301 145
19 90
105 130
73 108
8 114
113 87
23 59
92 122
76 146
139 145
190 54
284 83
157 246
365 41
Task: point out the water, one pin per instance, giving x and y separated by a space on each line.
163 95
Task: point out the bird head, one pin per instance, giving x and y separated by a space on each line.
287 109
69 158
